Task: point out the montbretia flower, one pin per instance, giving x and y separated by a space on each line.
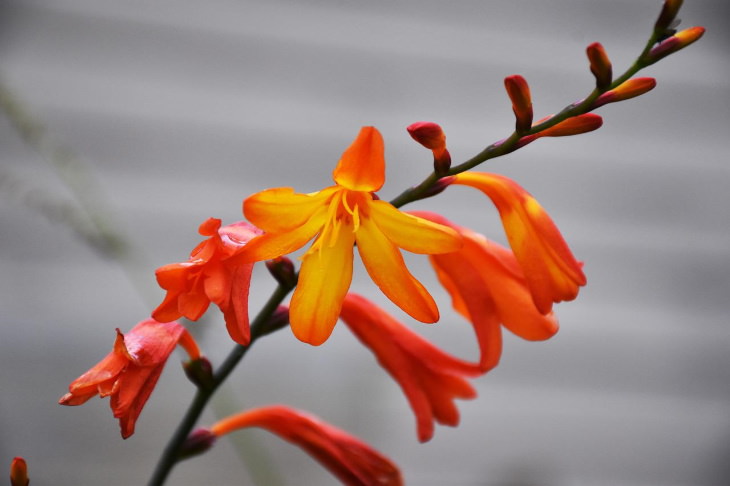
340 216
129 373
487 286
19 472
432 136
430 378
550 269
210 276
351 460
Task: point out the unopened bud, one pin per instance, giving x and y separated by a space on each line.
667 15
573 126
672 44
600 65
200 372
626 90
279 319
519 93
19 472
432 136
282 269
199 441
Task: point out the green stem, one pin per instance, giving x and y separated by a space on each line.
170 455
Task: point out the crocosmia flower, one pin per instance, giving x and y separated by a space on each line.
430 378
551 271
210 276
487 286
129 373
338 217
351 460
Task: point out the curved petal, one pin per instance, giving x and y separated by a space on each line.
236 310
324 279
281 209
386 267
412 233
362 165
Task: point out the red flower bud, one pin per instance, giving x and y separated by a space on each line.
519 94
573 126
672 44
600 65
19 472
431 136
282 269
626 90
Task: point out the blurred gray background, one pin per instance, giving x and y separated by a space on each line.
181 109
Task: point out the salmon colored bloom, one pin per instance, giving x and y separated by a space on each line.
340 216
209 276
131 370
19 472
351 460
430 378
551 271
488 288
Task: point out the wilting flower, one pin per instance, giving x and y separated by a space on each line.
519 93
487 286
432 136
430 378
351 460
19 472
551 271
210 276
129 373
340 216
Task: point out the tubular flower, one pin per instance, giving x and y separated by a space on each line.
351 460
209 276
430 378
129 373
551 271
340 216
488 288
19 472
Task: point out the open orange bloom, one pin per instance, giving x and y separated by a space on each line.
351 460
551 271
430 378
129 373
209 276
487 287
340 216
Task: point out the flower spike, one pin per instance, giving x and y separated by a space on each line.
488 288
336 218
129 373
600 65
430 378
519 93
431 136
351 460
551 271
208 276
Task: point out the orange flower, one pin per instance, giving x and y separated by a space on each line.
551 271
351 460
209 276
430 378
19 472
340 216
129 373
488 288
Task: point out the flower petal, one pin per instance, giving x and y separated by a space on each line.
412 233
281 209
362 165
386 267
235 311
324 279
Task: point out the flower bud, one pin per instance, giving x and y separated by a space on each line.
19 472
519 93
667 15
200 372
432 136
672 44
199 441
626 90
600 65
282 269
573 126
279 319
